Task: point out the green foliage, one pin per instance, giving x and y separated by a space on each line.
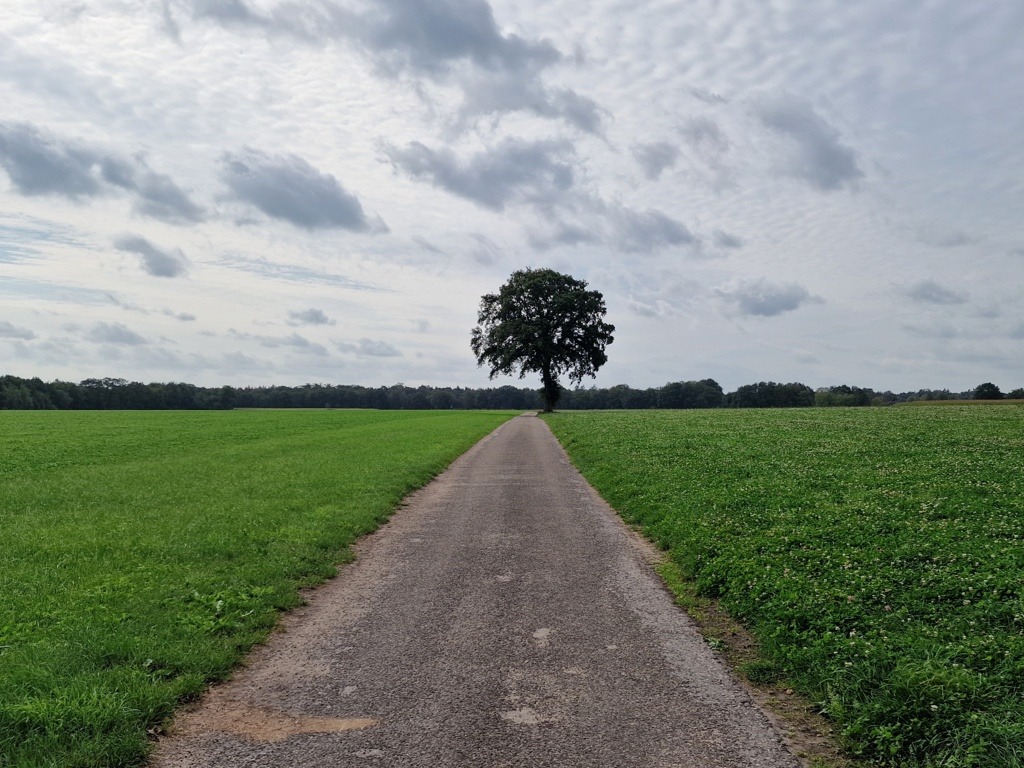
144 553
987 391
542 321
875 553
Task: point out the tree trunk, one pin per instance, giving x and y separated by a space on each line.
552 390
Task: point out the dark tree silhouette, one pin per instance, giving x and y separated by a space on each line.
987 391
542 321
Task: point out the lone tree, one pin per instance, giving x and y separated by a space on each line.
544 322
987 391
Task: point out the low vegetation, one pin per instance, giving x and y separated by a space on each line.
143 553
876 554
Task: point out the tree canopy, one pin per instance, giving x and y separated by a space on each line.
542 321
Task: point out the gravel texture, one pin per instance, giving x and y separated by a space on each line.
504 617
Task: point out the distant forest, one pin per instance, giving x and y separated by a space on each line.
113 394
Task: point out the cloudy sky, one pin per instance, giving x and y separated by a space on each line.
288 191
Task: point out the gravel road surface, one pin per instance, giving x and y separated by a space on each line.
504 617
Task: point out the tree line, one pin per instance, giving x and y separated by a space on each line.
112 394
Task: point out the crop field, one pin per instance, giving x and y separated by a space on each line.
877 555
142 553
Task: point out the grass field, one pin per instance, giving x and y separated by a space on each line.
877 554
141 553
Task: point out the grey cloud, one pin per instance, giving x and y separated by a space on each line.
185 317
511 92
228 12
309 316
708 97
944 239
706 138
38 164
170 25
940 331
155 261
443 40
295 341
41 164
426 245
930 292
368 348
160 198
10 331
296 274
514 171
765 299
428 35
615 224
237 361
655 157
115 333
486 250
1017 252
819 158
645 231
1017 332
564 233
286 187
661 294
725 240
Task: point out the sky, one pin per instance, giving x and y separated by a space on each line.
253 192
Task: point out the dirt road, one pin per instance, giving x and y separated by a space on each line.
505 617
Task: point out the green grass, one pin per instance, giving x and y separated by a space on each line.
876 554
142 553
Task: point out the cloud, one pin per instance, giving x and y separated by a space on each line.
286 187
946 239
939 331
309 317
646 231
445 41
706 138
115 333
655 157
185 317
294 273
10 331
39 163
762 298
495 93
589 219
486 251
708 97
658 295
725 240
160 198
155 261
295 341
515 171
930 292
817 156
368 348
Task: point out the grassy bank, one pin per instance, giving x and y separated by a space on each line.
143 552
875 553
